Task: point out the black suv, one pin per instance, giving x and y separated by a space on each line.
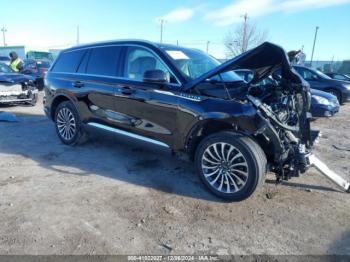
187 101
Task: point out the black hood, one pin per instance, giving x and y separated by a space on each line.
263 60
14 78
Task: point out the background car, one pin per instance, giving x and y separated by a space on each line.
5 59
339 76
39 55
323 104
36 69
320 81
16 88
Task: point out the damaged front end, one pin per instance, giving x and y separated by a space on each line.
285 134
282 110
17 90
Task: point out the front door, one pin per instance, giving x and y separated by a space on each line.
146 108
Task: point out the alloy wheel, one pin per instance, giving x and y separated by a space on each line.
66 123
225 168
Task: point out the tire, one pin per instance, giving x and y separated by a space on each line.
337 94
68 124
237 177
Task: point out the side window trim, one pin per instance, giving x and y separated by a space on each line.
122 61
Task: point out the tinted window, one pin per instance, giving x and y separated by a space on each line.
139 60
68 62
84 62
103 61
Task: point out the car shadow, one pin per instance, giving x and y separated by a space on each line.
341 247
105 154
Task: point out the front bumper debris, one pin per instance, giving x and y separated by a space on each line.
331 175
15 94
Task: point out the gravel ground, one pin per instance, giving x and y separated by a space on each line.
116 196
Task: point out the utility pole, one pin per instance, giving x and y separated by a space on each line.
208 47
313 48
244 39
78 35
4 30
162 21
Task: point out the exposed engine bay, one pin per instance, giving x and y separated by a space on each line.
282 109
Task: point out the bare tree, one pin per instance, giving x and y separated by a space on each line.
244 37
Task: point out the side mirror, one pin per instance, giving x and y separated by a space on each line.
155 76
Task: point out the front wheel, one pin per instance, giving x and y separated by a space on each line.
231 165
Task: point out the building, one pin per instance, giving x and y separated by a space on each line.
20 50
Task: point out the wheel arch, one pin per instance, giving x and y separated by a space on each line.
336 91
58 99
203 129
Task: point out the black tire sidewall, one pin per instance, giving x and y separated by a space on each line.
251 158
69 105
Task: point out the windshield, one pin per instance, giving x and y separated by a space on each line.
5 69
194 63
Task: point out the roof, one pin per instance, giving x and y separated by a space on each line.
128 41
111 42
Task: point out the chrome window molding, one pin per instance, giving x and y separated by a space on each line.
178 84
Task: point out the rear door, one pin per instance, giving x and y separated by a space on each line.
99 71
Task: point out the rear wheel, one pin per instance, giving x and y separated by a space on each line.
68 124
231 165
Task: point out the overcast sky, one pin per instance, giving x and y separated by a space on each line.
291 23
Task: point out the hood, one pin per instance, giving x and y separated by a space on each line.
263 60
14 78
323 94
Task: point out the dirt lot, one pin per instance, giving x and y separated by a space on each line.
115 196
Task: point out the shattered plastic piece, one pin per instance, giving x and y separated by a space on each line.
8 117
